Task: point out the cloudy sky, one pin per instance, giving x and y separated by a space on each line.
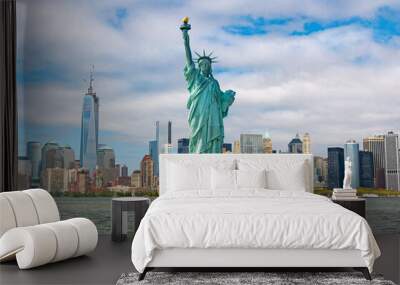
330 68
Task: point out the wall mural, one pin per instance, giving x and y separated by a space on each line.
104 87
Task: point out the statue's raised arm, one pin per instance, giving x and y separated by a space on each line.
208 105
185 27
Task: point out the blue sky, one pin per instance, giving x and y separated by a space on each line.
329 68
384 24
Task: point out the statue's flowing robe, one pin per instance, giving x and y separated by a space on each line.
207 105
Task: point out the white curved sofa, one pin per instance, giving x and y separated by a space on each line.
31 230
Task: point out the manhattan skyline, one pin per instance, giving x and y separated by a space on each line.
330 70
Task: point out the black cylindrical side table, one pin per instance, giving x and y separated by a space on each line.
119 215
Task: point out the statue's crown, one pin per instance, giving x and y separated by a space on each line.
205 56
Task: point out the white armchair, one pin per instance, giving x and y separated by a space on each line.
31 230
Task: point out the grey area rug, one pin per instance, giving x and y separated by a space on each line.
225 278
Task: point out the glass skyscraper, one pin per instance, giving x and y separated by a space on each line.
335 167
183 145
153 151
169 132
124 171
89 129
366 169
351 149
105 157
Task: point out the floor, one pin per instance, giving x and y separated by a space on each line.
103 266
110 260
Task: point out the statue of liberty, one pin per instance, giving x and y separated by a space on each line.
207 104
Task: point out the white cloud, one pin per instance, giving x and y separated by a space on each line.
334 84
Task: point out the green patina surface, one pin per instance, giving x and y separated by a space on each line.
208 105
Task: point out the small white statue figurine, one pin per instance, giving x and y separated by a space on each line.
347 174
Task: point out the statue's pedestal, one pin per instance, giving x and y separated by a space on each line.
344 194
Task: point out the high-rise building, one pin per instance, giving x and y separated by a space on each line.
380 178
72 180
351 150
306 143
24 176
153 152
106 168
335 167
167 148
56 161
83 181
226 147
136 179
68 155
106 177
54 158
105 157
376 145
366 169
47 146
35 157
295 145
170 132
267 143
55 180
251 143
124 180
146 167
158 132
124 171
236 146
325 170
392 161
98 178
89 129
318 170
118 170
183 145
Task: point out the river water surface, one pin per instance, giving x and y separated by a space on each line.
383 214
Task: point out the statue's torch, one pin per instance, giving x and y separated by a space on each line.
185 24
